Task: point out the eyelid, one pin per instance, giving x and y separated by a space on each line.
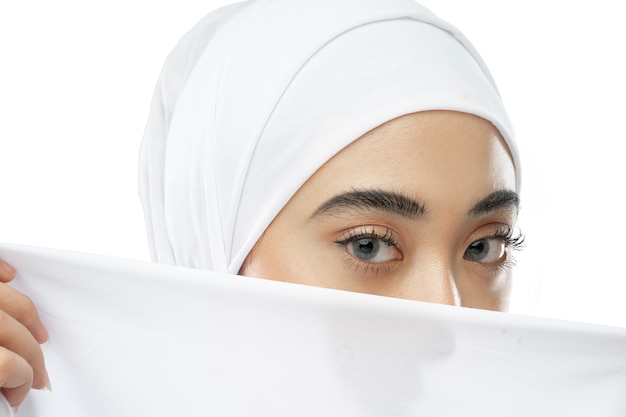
513 239
512 236
369 232
381 232
493 229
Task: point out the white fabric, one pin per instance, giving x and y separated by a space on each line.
5 408
136 339
258 95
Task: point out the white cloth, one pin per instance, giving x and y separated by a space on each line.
135 339
258 95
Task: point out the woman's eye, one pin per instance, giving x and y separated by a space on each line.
374 250
486 251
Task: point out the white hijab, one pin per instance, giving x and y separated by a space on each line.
260 94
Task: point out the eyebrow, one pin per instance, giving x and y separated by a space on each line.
378 200
402 205
501 199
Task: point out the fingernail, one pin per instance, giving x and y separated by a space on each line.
49 385
8 269
14 409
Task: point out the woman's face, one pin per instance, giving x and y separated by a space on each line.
422 207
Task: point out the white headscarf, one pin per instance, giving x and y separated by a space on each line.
260 94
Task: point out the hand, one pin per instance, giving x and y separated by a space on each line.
21 360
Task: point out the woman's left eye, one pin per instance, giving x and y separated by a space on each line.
488 251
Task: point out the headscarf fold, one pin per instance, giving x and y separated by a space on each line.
260 94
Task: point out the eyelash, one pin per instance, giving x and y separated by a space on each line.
356 234
515 243
505 233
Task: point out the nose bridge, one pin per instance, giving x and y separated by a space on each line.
434 282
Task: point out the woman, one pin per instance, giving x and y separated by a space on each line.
353 145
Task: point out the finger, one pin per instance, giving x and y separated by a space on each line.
7 272
16 338
16 377
23 310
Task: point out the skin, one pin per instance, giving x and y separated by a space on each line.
443 238
417 209
22 364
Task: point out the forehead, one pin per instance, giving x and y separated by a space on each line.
441 156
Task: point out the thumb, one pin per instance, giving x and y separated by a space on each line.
7 272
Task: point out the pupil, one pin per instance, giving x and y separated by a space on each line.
478 247
478 250
365 248
366 245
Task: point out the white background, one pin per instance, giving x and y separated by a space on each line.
76 78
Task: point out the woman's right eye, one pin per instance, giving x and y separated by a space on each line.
371 247
373 250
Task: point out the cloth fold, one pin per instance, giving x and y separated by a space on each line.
130 338
260 94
